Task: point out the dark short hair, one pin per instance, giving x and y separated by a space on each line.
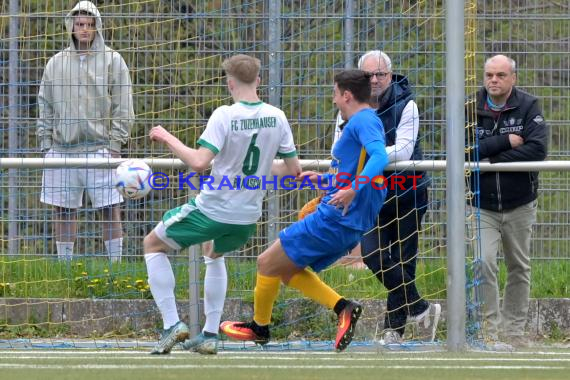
355 81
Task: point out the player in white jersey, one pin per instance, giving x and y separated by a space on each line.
244 138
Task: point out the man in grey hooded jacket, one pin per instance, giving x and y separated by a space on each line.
85 111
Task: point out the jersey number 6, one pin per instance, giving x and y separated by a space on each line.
251 161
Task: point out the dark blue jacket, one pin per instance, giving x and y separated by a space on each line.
391 105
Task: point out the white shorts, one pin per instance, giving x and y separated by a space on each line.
63 187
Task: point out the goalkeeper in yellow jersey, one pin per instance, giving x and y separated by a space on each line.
342 217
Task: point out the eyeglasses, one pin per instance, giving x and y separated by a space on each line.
379 74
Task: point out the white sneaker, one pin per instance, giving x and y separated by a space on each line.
429 318
391 337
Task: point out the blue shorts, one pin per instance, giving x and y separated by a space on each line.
317 241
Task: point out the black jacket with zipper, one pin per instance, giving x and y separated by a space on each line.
522 116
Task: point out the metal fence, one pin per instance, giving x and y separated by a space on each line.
174 52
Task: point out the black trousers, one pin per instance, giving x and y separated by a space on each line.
390 251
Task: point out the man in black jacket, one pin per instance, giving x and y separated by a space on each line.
510 127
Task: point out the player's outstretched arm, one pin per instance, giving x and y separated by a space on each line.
375 166
313 176
197 159
293 165
288 166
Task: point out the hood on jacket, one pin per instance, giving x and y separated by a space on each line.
89 7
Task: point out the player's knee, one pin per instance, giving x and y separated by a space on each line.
262 264
149 243
268 266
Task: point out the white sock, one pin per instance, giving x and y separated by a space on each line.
64 250
215 286
114 249
161 281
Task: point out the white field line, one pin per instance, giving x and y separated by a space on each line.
381 353
290 358
253 366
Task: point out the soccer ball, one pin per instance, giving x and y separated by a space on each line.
132 179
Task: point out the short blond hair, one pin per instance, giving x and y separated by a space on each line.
242 67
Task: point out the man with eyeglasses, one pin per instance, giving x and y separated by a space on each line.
390 249
510 127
